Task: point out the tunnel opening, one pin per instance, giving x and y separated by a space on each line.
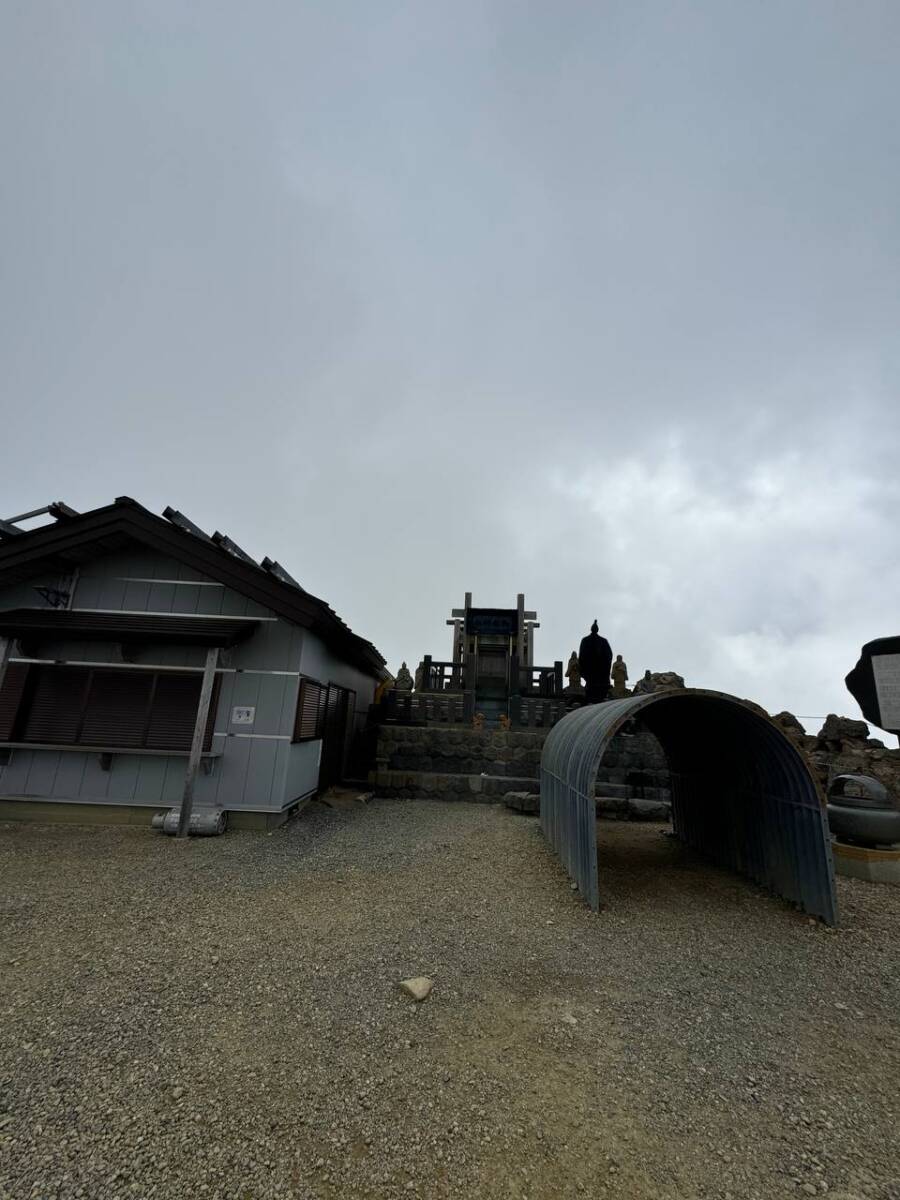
741 792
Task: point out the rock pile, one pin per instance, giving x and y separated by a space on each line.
843 747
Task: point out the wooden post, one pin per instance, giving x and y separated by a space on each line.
187 799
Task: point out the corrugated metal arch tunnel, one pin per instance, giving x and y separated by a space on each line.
742 793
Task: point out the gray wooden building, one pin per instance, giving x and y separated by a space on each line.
116 629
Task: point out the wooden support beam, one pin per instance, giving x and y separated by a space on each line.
190 775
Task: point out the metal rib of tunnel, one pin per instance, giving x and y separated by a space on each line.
742 793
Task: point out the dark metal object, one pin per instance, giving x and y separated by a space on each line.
858 791
868 826
61 511
595 661
277 570
57 510
57 624
205 823
862 686
231 547
180 521
741 792
861 810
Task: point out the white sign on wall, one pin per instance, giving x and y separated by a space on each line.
243 715
886 670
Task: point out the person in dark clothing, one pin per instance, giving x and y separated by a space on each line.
595 659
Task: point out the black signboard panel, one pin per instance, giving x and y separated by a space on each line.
875 683
501 621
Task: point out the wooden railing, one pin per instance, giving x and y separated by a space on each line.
442 676
546 682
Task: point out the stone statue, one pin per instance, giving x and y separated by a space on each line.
644 686
573 674
504 722
595 658
619 677
478 722
404 681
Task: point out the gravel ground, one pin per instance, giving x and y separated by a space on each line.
221 1018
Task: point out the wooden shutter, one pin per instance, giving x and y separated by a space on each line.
11 697
307 722
55 701
174 712
117 709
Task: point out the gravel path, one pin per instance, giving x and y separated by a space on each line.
220 1018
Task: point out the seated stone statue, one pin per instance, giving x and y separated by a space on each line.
644 686
404 681
595 660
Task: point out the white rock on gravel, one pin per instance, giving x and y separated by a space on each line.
419 987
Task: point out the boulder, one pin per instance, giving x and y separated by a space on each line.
838 730
789 724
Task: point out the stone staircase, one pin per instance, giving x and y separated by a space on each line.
492 709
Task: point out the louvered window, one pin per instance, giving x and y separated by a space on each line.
310 717
105 708
11 698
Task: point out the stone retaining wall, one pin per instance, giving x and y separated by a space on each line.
467 764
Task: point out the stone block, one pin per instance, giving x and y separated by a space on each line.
860 862
524 802
648 810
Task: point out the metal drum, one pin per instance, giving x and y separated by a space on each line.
203 822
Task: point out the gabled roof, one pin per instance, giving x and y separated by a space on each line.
80 538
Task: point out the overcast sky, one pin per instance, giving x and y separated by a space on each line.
595 301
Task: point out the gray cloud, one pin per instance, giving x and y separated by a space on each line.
595 302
